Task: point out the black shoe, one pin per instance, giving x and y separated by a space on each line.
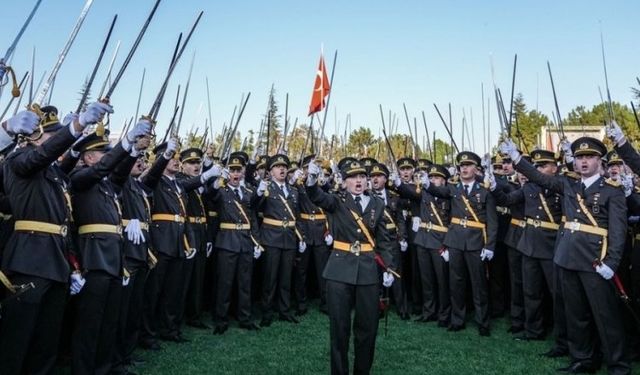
515 329
150 344
582 367
526 337
555 352
443 324
198 324
289 318
302 311
266 322
220 328
484 331
455 328
251 326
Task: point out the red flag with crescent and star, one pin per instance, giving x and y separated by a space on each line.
321 88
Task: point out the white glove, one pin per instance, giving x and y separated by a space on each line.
337 178
94 113
192 253
491 179
444 253
415 223
313 171
403 245
509 148
172 146
70 118
77 282
627 184
296 175
262 187
134 232
395 178
209 249
142 128
225 174
604 271
614 132
486 254
302 246
206 161
565 146
387 279
634 219
328 239
424 180
24 122
257 251
125 280
214 171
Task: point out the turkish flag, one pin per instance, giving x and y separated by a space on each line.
321 88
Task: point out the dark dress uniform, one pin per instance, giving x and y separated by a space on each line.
589 298
315 226
352 275
234 246
434 214
35 253
98 218
473 227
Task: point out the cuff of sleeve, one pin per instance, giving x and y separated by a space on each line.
73 131
5 139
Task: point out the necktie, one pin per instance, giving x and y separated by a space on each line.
466 189
283 188
237 193
583 187
358 200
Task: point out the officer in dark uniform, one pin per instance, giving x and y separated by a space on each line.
543 211
280 235
588 252
394 222
316 229
196 231
430 226
37 251
236 245
98 219
470 240
359 235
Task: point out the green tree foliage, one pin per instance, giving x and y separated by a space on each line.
599 115
526 124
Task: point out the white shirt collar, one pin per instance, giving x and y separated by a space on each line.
590 180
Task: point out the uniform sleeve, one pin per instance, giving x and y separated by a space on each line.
407 192
326 201
384 243
617 229
492 223
503 198
553 183
152 178
84 178
630 156
443 192
38 158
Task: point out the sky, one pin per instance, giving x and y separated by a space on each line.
389 53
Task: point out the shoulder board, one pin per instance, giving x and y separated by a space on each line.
636 189
613 183
393 193
572 175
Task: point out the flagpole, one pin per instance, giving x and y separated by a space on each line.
326 108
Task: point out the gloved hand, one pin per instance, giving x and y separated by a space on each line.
509 148
313 171
565 146
209 249
254 156
387 279
415 223
76 283
403 245
395 178
214 171
70 118
172 146
94 113
125 280
24 122
336 177
604 271
257 251
444 253
262 187
486 254
328 239
614 132
302 246
134 232
296 175
207 161
491 179
225 174
142 128
424 180
192 253
627 184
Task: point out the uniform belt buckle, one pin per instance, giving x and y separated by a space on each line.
198 220
463 222
238 226
536 223
312 217
285 223
355 248
429 225
119 229
574 226
64 230
176 218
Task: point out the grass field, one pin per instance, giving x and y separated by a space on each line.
408 348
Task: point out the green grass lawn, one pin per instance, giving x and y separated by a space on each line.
408 348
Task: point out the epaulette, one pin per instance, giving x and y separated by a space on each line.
485 184
636 189
612 182
393 193
454 179
572 175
